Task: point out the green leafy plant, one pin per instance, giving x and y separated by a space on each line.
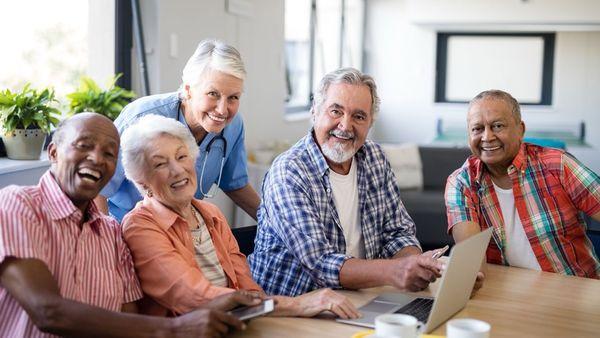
28 109
90 97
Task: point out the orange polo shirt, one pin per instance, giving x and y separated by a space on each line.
163 253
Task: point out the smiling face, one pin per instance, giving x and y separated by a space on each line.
170 172
342 123
84 158
213 102
495 135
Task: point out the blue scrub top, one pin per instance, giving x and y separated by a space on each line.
123 195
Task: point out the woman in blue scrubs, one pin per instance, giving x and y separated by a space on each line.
207 103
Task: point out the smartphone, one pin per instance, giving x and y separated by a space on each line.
248 312
440 252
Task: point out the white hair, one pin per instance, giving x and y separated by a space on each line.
215 55
349 76
137 137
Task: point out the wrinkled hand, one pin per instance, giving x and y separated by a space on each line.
232 300
436 253
415 272
478 282
312 303
211 320
205 323
317 301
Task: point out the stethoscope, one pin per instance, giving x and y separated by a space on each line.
208 147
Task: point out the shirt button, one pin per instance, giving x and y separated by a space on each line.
328 189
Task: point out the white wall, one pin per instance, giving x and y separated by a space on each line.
504 12
258 37
402 59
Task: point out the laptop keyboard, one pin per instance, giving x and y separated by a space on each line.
419 308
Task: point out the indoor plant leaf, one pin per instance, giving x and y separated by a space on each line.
90 97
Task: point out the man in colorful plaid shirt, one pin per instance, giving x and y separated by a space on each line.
532 196
331 214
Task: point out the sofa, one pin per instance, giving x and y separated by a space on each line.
424 199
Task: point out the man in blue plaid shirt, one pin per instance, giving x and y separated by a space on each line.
331 214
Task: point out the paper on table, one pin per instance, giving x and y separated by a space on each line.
371 334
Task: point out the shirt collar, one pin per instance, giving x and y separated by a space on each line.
315 154
59 205
166 217
478 167
520 161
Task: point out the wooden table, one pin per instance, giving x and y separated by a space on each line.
516 302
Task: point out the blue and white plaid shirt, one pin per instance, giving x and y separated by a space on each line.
300 245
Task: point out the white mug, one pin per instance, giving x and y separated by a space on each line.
394 325
467 328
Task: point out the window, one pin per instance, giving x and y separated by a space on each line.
320 36
44 43
54 43
518 63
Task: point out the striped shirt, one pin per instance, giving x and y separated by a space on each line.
300 245
550 188
91 264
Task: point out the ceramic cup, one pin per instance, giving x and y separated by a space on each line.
467 328
394 325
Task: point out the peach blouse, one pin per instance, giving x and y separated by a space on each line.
163 253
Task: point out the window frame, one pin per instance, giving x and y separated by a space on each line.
295 110
123 42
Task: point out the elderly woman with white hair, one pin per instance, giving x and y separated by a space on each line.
207 103
182 247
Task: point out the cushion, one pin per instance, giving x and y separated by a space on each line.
406 164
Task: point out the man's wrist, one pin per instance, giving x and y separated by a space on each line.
286 306
408 251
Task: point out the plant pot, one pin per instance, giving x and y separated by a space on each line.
24 144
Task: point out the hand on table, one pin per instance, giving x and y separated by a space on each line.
312 303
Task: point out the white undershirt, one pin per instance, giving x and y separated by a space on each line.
517 250
345 198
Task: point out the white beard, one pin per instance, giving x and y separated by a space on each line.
337 153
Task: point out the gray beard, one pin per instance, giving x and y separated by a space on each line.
337 154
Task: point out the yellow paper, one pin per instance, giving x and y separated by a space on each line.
363 334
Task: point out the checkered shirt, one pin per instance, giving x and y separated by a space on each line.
300 245
550 187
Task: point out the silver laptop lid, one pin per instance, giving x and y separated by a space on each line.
458 279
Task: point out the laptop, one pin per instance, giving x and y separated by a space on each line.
452 295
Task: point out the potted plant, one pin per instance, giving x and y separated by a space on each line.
89 97
26 117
